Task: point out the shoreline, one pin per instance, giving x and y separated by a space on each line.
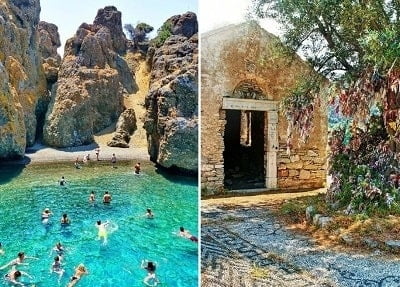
40 154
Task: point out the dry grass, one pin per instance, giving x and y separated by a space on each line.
378 228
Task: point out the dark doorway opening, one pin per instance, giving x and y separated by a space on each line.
244 149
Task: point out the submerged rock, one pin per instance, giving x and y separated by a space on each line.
22 81
172 110
125 127
91 82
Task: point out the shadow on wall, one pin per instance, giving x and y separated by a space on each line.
11 169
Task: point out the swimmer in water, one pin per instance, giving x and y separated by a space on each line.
102 234
63 181
79 272
151 278
107 198
56 267
149 214
59 249
46 215
65 220
13 275
1 249
186 234
92 197
137 168
18 261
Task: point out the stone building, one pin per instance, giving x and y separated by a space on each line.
245 73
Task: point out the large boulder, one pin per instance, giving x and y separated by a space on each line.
92 81
125 127
171 105
22 81
49 41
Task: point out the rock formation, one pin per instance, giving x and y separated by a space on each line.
172 109
91 82
49 41
22 81
125 127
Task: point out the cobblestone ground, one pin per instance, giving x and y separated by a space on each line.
248 247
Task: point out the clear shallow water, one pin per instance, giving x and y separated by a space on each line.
24 193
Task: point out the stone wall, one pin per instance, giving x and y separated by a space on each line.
245 52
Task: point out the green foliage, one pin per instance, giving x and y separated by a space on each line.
163 33
382 48
328 32
139 33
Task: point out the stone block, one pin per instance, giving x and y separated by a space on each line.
283 173
346 238
393 244
310 212
295 165
283 160
207 167
294 158
293 172
312 166
321 221
281 166
312 153
304 174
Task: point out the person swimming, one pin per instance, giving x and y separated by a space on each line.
1 249
63 181
137 168
92 197
151 278
79 272
56 267
107 198
59 249
65 220
13 275
186 234
46 215
149 214
17 261
102 234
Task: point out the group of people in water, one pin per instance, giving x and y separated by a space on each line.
14 275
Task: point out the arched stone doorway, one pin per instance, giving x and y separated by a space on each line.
250 139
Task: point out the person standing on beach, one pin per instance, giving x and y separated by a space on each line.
113 160
77 165
97 151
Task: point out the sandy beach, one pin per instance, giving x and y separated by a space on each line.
42 154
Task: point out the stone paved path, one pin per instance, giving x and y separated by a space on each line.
238 242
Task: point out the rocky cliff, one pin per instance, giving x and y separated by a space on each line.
49 41
22 81
172 109
92 80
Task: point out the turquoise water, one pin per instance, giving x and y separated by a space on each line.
24 193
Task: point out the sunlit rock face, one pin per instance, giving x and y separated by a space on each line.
22 81
172 103
92 80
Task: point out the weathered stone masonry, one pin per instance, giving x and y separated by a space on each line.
247 54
